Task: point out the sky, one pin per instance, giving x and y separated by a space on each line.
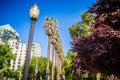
67 12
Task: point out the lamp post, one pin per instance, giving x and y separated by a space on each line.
34 13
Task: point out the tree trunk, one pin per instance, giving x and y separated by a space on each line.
58 68
48 60
53 63
98 75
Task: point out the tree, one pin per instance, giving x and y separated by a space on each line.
82 28
67 65
101 48
96 51
41 66
107 12
12 74
50 25
5 58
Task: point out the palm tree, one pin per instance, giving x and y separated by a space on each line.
53 41
53 37
51 25
57 46
60 58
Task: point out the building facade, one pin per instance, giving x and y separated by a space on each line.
7 32
18 48
1 42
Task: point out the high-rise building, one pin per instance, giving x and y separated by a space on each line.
18 48
7 32
1 42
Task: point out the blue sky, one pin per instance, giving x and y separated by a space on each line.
67 12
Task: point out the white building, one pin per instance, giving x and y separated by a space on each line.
1 42
18 48
7 32
9 28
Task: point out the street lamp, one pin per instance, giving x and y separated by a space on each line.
34 13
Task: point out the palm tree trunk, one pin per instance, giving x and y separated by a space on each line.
48 60
55 65
58 70
60 66
98 75
53 62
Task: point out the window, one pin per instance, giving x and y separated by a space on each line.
13 62
33 50
13 66
18 66
13 69
19 59
19 63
